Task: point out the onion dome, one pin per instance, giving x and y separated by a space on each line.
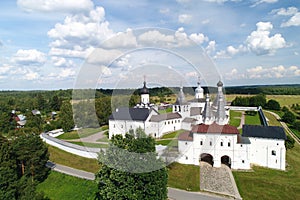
144 90
220 84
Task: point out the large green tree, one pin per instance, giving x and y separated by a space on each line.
66 116
8 168
131 170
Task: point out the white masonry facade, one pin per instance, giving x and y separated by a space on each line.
208 136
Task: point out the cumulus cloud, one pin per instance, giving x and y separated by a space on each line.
29 57
211 47
55 5
61 62
279 71
198 38
121 40
260 42
104 56
184 18
4 69
31 75
79 33
231 51
285 12
293 21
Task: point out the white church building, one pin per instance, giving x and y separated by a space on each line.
208 136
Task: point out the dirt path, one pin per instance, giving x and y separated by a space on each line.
242 120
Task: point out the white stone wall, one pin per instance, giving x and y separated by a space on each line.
267 152
123 126
211 144
158 129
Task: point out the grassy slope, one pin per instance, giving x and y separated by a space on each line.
252 120
71 160
185 177
267 184
63 187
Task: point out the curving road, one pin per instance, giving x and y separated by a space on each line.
173 194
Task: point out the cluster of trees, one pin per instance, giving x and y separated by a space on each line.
131 170
22 166
265 89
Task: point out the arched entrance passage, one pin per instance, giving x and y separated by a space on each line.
226 161
205 157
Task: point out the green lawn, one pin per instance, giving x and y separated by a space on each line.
81 133
167 142
270 184
71 160
272 119
235 118
185 177
93 145
63 187
252 120
174 134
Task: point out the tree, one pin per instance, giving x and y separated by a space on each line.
31 155
55 103
288 117
273 105
289 142
66 116
130 169
8 176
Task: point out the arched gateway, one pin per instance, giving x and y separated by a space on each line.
226 161
205 157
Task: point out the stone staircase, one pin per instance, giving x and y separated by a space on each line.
218 180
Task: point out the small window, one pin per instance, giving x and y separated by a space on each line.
241 145
228 144
185 143
201 143
221 144
130 126
210 143
114 126
165 123
121 126
186 158
273 153
243 161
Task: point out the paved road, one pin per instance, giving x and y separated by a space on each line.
71 171
173 194
285 127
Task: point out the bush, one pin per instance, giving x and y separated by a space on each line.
289 142
289 117
273 105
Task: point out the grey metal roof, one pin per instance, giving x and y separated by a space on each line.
162 117
134 114
195 111
189 120
273 132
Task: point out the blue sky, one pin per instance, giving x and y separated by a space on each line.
59 44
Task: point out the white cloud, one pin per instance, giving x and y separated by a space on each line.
198 38
62 62
103 56
121 40
79 33
29 57
263 1
260 42
285 12
211 47
293 21
66 73
231 51
279 71
185 18
31 75
4 69
155 37
164 11
55 5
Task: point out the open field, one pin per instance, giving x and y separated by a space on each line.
270 184
284 100
272 121
71 160
171 135
185 177
252 120
63 187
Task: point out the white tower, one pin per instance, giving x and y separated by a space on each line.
199 91
145 99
